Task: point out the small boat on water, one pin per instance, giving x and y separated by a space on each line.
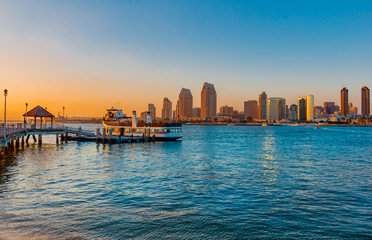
118 124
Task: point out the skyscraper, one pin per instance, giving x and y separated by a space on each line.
166 112
344 101
152 110
310 108
365 101
250 109
301 110
275 109
185 103
208 101
293 109
262 106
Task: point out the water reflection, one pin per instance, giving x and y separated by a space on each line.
219 182
269 159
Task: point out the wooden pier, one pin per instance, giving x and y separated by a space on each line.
19 135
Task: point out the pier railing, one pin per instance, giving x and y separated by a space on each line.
15 128
11 129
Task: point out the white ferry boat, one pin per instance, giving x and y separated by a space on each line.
117 124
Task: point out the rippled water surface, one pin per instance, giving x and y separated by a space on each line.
220 182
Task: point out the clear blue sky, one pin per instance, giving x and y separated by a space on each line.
286 48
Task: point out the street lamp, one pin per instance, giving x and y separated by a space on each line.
5 94
26 116
63 117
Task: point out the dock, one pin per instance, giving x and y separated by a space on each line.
16 135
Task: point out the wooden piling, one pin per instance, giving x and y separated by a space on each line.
57 139
40 139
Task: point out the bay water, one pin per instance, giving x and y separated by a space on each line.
219 182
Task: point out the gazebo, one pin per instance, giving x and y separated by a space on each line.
39 112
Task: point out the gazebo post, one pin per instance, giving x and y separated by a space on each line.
35 123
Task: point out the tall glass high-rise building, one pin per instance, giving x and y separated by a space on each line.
365 101
305 110
166 112
208 101
262 106
310 108
293 109
185 103
301 110
344 101
275 109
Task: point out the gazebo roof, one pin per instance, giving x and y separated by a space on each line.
38 112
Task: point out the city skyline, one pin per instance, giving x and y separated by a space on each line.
90 57
329 109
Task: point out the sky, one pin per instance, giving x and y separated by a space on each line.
91 55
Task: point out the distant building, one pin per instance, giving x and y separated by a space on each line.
196 112
275 109
301 110
293 109
335 109
237 116
344 101
226 111
262 106
143 116
310 108
318 111
365 101
208 101
306 108
250 109
328 107
166 112
174 115
177 109
185 103
152 110
286 112
353 111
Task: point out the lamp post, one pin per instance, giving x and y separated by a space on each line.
5 94
26 116
63 117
